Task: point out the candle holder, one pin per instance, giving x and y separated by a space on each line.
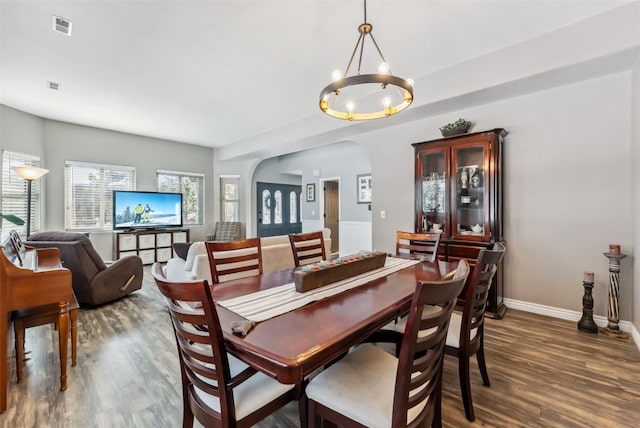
613 317
586 323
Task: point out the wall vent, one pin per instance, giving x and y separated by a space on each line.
53 85
61 25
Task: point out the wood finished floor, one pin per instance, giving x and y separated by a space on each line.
544 373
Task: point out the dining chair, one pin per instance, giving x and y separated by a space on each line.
234 259
466 333
307 247
217 388
418 245
372 388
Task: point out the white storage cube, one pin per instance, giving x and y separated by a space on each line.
163 254
179 236
147 241
127 242
124 254
147 256
163 240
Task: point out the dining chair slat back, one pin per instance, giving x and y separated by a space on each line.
307 247
418 245
234 259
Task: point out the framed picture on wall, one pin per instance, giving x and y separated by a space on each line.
311 192
364 188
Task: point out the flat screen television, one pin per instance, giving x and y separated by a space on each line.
146 210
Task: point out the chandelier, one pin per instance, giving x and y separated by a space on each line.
393 93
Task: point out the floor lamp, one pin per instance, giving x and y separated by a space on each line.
29 173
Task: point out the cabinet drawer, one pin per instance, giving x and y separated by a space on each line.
163 240
126 242
124 254
179 236
147 256
464 251
163 254
146 241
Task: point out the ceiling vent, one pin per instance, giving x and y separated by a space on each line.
61 25
53 85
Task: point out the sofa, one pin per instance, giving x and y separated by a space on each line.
93 282
276 255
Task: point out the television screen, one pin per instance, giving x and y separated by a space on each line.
139 210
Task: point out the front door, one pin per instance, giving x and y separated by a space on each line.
278 209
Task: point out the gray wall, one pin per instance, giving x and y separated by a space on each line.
57 142
567 187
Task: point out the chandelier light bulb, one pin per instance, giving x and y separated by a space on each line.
336 75
410 82
383 68
350 106
386 101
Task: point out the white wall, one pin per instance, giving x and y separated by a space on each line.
567 185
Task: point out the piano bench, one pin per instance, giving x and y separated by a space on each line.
42 315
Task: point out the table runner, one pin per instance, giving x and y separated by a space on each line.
265 304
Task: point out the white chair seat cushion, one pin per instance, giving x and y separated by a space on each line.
453 335
360 386
250 395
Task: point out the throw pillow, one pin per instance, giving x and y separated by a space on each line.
181 249
195 249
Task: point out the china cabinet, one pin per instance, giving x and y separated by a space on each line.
458 192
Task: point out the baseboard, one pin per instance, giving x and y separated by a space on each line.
569 315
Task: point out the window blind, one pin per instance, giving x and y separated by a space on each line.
191 185
230 197
14 193
89 193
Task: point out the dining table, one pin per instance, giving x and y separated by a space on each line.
290 346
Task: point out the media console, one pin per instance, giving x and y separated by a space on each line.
151 245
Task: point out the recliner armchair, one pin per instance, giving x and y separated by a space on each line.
93 281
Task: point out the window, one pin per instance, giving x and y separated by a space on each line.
88 193
266 207
230 198
191 186
278 211
14 193
293 207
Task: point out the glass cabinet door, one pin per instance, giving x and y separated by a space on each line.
434 194
470 199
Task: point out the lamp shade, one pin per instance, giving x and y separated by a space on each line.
29 172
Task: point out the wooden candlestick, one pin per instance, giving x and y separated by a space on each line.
613 317
586 323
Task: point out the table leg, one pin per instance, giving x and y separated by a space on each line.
63 341
73 315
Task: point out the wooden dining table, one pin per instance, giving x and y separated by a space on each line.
291 346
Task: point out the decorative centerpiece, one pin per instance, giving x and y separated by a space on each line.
316 275
460 126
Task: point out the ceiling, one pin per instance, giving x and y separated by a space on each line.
224 73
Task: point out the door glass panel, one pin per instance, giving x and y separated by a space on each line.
293 207
266 207
434 201
277 215
470 191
